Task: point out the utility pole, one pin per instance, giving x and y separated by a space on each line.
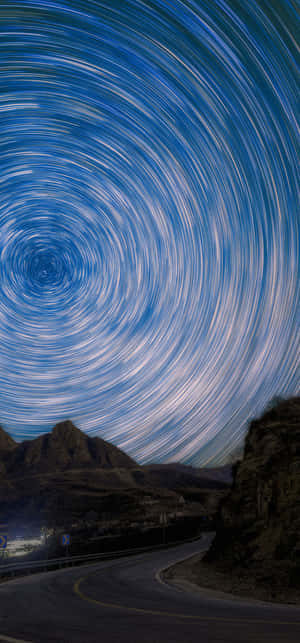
163 521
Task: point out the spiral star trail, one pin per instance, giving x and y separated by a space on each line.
149 220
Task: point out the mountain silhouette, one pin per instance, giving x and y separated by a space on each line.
65 448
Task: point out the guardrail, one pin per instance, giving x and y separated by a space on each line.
10 569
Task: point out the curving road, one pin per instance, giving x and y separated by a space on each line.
122 601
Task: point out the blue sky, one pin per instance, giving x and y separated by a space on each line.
149 220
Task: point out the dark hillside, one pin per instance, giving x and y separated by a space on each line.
258 531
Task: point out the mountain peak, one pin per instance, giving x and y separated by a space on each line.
65 447
65 428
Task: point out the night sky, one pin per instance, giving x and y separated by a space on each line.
149 220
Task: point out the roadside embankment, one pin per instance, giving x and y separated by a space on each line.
195 574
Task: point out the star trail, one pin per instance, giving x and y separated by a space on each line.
149 220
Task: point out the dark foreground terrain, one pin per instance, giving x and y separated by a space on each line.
123 601
257 545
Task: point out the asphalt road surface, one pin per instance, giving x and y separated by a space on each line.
122 601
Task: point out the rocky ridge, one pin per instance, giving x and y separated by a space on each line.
258 527
65 448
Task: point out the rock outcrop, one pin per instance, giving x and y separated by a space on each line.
6 441
7 444
259 520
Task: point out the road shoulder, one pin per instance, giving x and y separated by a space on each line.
194 576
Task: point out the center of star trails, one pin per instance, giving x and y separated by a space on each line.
45 269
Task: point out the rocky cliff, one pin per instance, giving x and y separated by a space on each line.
259 520
6 442
6 446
